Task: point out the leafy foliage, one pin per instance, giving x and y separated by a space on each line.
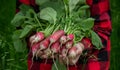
72 5
87 24
48 14
96 41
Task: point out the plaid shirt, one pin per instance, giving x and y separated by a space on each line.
100 10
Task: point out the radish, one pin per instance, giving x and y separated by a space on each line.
63 55
75 54
75 50
80 48
34 49
32 38
70 37
63 39
72 52
43 45
47 52
39 36
72 61
63 52
43 56
56 35
55 47
69 44
39 54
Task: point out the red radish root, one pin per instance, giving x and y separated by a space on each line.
56 36
63 39
72 52
69 44
55 47
70 37
34 49
43 45
76 50
39 36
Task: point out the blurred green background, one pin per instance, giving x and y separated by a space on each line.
11 60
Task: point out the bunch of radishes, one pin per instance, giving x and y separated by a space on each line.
60 26
58 43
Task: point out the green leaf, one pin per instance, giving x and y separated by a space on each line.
18 19
72 4
65 1
59 65
57 5
82 1
40 2
26 31
87 24
19 45
96 41
24 8
30 13
48 14
82 14
84 7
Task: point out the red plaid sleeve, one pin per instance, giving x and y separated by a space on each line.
100 10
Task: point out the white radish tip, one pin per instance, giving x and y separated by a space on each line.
63 39
80 45
32 38
68 46
72 54
42 47
37 39
51 40
53 50
40 35
33 53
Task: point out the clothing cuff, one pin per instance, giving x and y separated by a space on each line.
72 67
44 66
